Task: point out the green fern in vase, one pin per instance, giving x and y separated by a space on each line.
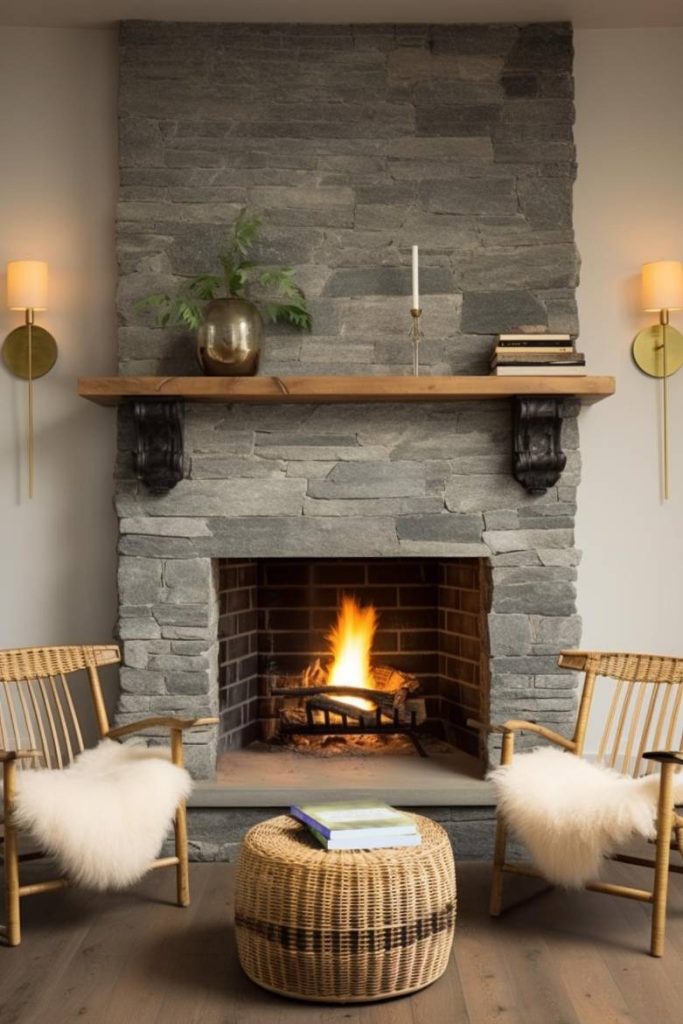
284 300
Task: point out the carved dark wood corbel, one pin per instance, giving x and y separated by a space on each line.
159 443
537 456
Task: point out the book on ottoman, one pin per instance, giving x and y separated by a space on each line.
358 825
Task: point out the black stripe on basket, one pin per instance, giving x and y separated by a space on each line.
373 939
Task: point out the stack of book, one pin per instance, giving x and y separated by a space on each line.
360 825
537 355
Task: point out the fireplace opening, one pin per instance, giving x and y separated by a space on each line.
344 696
298 637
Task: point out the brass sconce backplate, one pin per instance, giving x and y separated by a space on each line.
43 352
648 350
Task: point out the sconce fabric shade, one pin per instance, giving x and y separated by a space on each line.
662 285
27 284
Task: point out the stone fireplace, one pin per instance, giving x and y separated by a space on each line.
353 143
397 488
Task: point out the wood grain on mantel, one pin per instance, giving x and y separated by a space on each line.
113 390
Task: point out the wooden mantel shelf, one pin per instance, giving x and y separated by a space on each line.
113 390
158 405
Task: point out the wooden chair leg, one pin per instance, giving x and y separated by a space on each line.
496 898
183 867
665 820
11 852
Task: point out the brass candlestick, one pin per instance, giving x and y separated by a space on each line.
415 336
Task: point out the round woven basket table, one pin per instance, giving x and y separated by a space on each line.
348 926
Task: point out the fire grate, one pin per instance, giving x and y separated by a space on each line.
310 709
378 727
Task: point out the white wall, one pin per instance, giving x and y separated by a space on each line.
628 210
58 179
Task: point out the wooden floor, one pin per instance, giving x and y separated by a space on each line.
135 958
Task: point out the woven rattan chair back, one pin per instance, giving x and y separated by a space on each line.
41 707
645 709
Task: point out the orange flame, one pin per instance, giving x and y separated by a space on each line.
350 641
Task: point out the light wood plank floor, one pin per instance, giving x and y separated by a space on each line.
135 958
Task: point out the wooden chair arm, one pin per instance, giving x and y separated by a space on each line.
164 722
520 725
665 756
16 755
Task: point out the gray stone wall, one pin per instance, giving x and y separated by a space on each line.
354 143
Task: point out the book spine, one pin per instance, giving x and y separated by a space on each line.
539 372
317 826
319 836
535 339
541 349
538 362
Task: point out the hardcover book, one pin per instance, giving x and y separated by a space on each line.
531 356
539 371
350 841
366 819
514 349
534 339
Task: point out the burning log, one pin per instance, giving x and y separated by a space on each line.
328 705
383 698
390 680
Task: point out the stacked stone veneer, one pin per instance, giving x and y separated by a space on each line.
354 143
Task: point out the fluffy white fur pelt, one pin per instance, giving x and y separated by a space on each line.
105 817
570 813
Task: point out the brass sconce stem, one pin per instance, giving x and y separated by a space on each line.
29 331
29 351
665 436
658 349
662 348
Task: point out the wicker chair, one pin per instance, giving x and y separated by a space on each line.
40 725
644 715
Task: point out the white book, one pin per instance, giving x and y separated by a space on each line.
535 337
557 370
351 841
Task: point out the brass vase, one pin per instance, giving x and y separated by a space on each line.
229 341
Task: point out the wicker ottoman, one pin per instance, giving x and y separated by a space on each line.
344 926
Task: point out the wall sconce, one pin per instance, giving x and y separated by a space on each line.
658 350
29 351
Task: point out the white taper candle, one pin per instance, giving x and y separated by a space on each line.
416 286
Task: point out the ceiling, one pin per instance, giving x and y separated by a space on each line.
583 13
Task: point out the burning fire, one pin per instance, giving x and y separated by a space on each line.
350 641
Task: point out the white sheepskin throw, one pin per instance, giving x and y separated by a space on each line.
570 813
105 817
